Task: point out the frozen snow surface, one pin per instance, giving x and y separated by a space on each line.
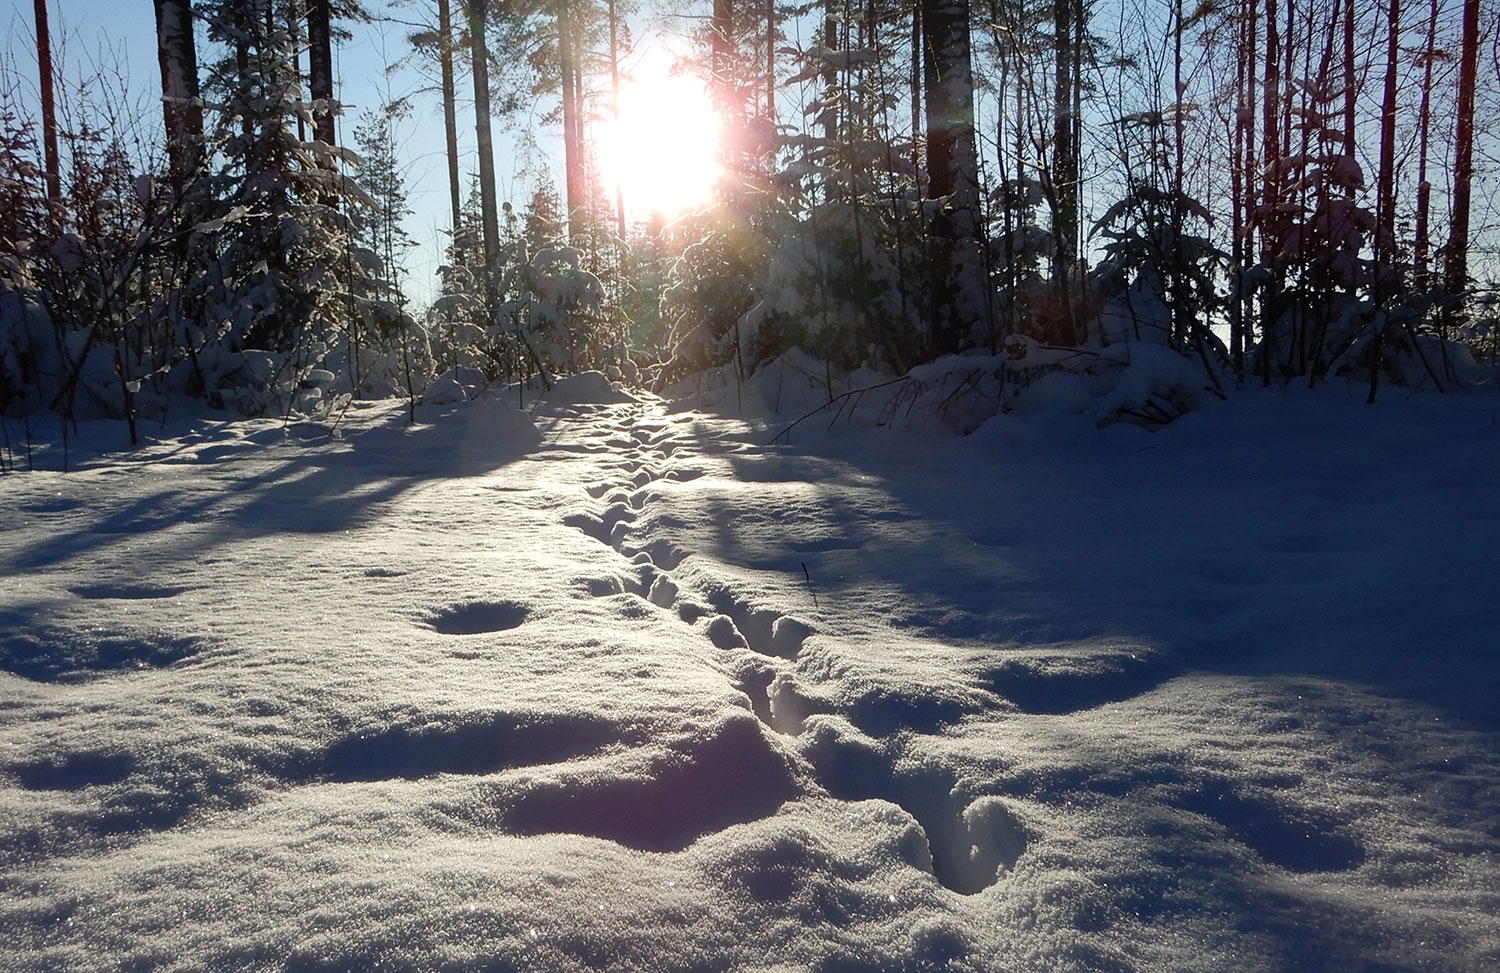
615 683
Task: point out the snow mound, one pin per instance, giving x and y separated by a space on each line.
793 386
453 386
444 390
586 388
496 425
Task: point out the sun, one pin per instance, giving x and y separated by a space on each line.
663 149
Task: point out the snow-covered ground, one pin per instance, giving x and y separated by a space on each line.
617 684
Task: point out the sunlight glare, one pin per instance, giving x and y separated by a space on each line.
663 151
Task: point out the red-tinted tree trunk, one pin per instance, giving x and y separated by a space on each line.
49 103
1456 270
1422 246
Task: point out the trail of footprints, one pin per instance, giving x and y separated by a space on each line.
972 839
969 841
711 780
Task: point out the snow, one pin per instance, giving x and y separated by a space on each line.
613 683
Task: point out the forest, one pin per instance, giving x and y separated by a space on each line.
1275 192
1031 509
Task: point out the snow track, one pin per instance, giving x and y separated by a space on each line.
968 843
609 686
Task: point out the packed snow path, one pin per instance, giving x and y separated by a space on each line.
609 686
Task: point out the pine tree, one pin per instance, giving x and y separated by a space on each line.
380 230
450 106
436 43
286 272
320 69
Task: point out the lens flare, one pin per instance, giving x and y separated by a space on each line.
663 149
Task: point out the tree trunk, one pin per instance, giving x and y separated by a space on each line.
958 298
614 95
1243 173
49 103
1422 245
243 73
1385 205
1456 270
320 69
1065 146
1271 154
916 85
488 208
450 112
181 110
722 77
572 124
771 65
1351 92
293 13
1182 328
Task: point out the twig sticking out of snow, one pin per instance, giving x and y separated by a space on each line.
842 400
806 574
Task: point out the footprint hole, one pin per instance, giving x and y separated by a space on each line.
478 617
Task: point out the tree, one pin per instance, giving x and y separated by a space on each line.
1422 246
570 79
1067 48
437 43
320 69
478 11
1267 209
284 266
450 110
182 109
614 96
1242 169
53 170
1456 272
1385 208
958 297
379 175
722 69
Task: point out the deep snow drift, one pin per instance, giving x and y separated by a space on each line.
614 684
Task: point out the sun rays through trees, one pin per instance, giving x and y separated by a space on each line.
1275 190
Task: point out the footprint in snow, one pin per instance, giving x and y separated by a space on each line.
662 801
471 744
74 771
478 617
1283 835
1080 679
47 654
971 840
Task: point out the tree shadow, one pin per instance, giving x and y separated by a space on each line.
1271 575
291 484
